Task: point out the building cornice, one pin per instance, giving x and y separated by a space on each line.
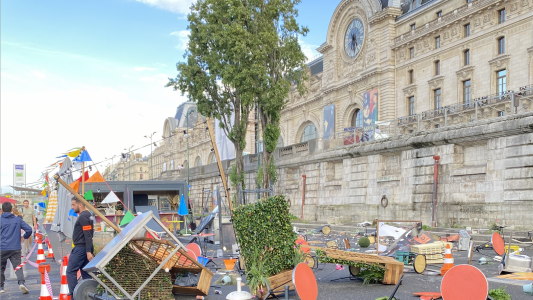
446 20
324 47
363 76
387 13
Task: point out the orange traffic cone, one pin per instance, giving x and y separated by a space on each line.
64 291
448 260
50 251
45 294
40 250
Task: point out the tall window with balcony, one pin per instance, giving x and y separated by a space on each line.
467 93
501 81
466 57
501 45
439 14
413 26
437 42
308 134
437 68
501 16
411 106
357 119
437 98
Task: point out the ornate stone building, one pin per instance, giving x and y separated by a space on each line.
421 56
170 157
448 78
133 168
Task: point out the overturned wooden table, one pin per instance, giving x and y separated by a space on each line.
393 268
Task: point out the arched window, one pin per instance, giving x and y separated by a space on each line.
198 162
280 142
309 133
357 119
212 158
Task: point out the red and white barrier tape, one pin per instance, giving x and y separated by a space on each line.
48 285
28 256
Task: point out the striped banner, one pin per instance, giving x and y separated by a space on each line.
52 207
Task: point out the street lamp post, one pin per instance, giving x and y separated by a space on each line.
151 156
129 164
187 137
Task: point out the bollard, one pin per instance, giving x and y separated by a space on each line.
286 292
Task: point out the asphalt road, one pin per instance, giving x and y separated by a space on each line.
327 289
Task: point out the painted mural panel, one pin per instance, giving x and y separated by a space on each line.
370 114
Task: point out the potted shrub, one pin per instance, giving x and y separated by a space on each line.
265 236
257 276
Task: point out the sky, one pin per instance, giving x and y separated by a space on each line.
92 73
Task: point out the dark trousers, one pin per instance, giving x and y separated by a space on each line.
76 261
14 258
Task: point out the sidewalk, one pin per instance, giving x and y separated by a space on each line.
33 281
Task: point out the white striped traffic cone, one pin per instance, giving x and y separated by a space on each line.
40 250
50 251
64 291
448 260
45 294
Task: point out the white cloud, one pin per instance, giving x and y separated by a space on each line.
309 50
39 74
175 6
138 69
102 118
183 36
5 76
159 78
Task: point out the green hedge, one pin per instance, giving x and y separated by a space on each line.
266 227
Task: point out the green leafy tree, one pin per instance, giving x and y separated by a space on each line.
218 73
243 53
282 68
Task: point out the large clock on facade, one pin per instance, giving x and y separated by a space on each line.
353 41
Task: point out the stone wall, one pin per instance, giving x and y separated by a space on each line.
485 176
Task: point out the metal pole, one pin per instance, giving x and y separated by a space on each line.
303 196
188 149
435 182
151 160
257 151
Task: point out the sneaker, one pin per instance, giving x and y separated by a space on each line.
2 290
23 288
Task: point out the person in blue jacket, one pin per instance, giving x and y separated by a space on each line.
10 246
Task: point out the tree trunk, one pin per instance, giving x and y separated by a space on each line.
268 157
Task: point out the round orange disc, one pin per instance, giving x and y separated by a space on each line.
305 282
497 243
302 242
464 282
194 248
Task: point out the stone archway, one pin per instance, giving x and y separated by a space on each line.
348 111
301 129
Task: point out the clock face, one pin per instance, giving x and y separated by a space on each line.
353 41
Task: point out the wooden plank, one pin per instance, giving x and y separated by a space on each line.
219 163
278 282
357 257
87 204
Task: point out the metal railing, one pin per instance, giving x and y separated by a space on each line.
492 106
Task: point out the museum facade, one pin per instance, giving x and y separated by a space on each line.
397 83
